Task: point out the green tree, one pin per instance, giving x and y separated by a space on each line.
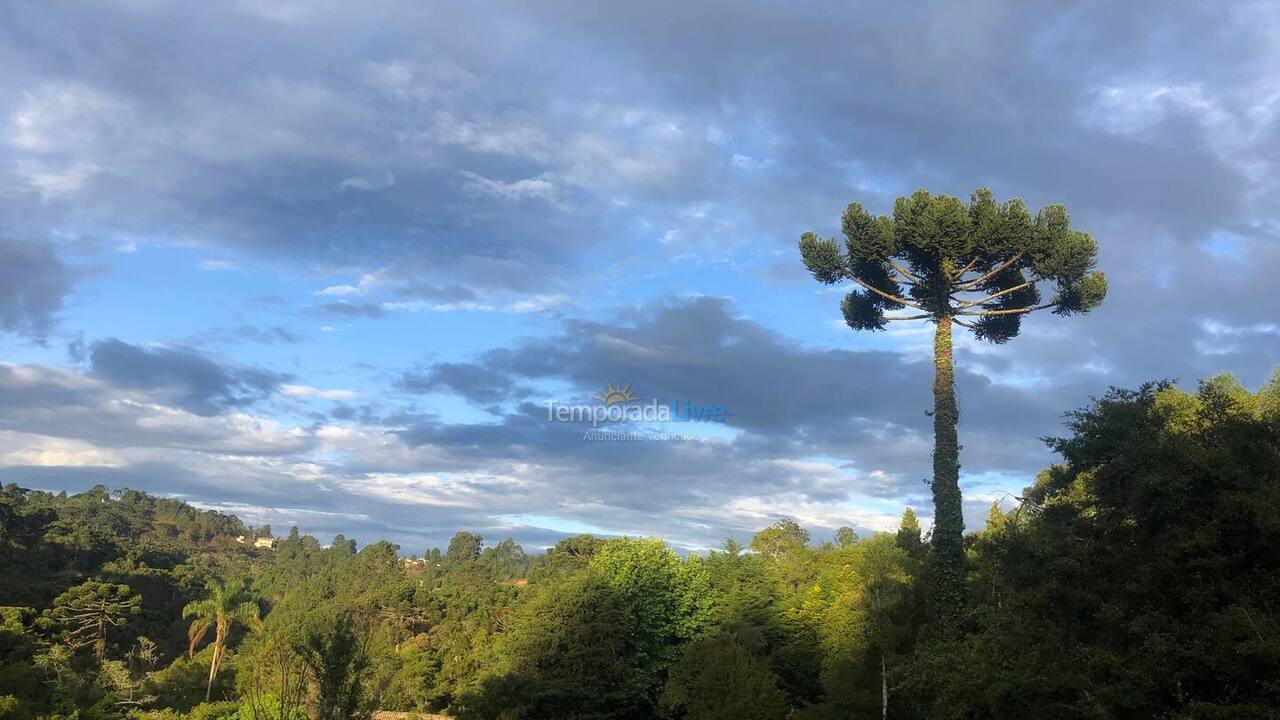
86 612
506 560
568 655
979 266
336 656
464 547
785 545
717 679
666 601
225 605
779 539
1138 578
909 532
882 567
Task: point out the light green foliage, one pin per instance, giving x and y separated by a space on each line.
786 544
666 601
268 708
464 547
909 538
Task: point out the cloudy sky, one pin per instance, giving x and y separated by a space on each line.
324 263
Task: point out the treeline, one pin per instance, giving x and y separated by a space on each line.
1137 578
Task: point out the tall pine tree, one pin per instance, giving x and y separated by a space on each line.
980 266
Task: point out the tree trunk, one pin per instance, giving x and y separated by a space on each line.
213 663
948 518
100 642
884 690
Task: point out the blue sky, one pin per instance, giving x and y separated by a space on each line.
324 265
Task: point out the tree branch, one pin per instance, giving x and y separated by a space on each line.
1003 266
883 294
1012 311
965 269
909 317
911 279
993 296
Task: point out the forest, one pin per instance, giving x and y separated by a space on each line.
1135 578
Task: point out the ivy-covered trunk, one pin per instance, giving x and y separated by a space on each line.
948 518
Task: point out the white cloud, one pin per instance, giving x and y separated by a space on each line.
368 281
218 265
306 391
530 304
535 187
417 306
538 303
43 451
368 183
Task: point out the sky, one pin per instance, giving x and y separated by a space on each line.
325 264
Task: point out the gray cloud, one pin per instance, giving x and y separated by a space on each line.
469 380
33 284
816 399
181 376
437 293
40 401
350 309
244 332
792 410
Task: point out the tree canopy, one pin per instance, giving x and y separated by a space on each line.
982 264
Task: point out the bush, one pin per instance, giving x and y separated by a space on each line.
226 710
268 707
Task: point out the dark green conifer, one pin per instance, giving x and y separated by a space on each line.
980 266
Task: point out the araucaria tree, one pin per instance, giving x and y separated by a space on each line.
86 613
981 266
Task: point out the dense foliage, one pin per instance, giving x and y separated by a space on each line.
1138 578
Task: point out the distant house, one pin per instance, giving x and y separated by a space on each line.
413 566
262 542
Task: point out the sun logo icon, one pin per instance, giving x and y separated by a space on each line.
615 395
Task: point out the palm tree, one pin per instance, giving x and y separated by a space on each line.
226 604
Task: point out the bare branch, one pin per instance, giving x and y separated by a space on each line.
1003 266
883 294
910 317
911 279
1012 311
993 296
965 269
